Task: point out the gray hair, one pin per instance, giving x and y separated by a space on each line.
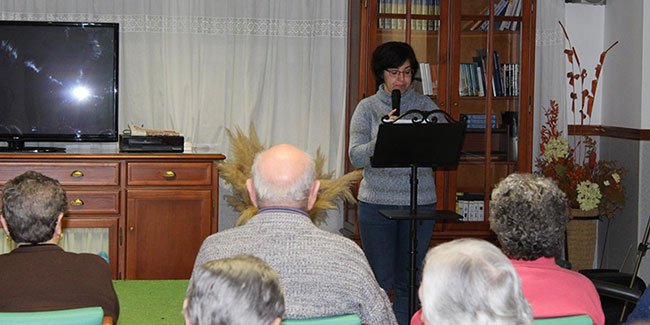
31 204
470 281
529 216
269 193
242 289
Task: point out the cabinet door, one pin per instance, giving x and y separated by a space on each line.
165 229
490 64
96 235
420 23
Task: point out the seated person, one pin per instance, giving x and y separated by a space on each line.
470 281
322 274
38 275
529 216
641 312
237 290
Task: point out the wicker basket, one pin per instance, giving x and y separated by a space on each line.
581 238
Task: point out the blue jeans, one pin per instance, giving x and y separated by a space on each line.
386 243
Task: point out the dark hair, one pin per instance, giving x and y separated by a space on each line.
528 214
392 55
31 204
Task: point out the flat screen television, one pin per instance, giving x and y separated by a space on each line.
58 82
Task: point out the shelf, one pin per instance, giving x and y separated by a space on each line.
482 98
479 158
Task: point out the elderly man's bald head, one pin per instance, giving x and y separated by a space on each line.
283 175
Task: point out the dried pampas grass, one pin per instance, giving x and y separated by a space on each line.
236 170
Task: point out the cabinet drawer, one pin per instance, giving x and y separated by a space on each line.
74 173
142 173
93 202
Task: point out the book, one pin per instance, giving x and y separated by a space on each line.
471 74
426 78
483 73
481 82
434 79
463 90
497 74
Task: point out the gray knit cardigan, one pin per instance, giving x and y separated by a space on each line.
386 185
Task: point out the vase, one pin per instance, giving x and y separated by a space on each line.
581 238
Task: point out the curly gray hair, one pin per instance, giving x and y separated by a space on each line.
529 216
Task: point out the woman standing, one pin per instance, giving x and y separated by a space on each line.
385 242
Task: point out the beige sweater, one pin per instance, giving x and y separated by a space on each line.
322 274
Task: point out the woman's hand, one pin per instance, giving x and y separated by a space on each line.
391 116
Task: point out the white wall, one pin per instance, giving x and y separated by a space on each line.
645 61
585 26
623 100
622 89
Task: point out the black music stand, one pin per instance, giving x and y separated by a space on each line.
421 141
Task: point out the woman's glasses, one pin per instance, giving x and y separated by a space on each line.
395 72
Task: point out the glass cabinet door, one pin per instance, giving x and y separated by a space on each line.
417 22
486 88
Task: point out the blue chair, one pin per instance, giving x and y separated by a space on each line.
565 320
78 316
331 320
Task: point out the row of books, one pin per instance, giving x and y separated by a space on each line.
429 76
473 76
477 121
507 8
418 7
470 207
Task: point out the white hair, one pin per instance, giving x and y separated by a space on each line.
269 193
470 281
238 290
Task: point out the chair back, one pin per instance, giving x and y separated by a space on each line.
565 320
78 316
330 320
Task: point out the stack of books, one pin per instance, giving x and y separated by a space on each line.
477 121
470 206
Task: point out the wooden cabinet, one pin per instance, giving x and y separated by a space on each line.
154 211
455 37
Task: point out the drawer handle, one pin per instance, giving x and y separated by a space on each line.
77 202
169 174
132 229
77 173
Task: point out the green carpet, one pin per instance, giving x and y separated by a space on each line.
150 301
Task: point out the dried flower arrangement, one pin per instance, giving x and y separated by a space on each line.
236 170
588 183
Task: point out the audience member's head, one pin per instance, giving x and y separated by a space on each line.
32 208
241 289
529 216
470 281
283 175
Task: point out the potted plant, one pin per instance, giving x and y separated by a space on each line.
592 186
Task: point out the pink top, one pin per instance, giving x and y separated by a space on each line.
553 291
417 318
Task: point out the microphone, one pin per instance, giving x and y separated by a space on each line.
395 96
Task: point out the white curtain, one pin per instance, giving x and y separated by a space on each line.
550 69
201 66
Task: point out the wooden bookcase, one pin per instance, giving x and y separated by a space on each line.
447 34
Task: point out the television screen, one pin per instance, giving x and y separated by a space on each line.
58 82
